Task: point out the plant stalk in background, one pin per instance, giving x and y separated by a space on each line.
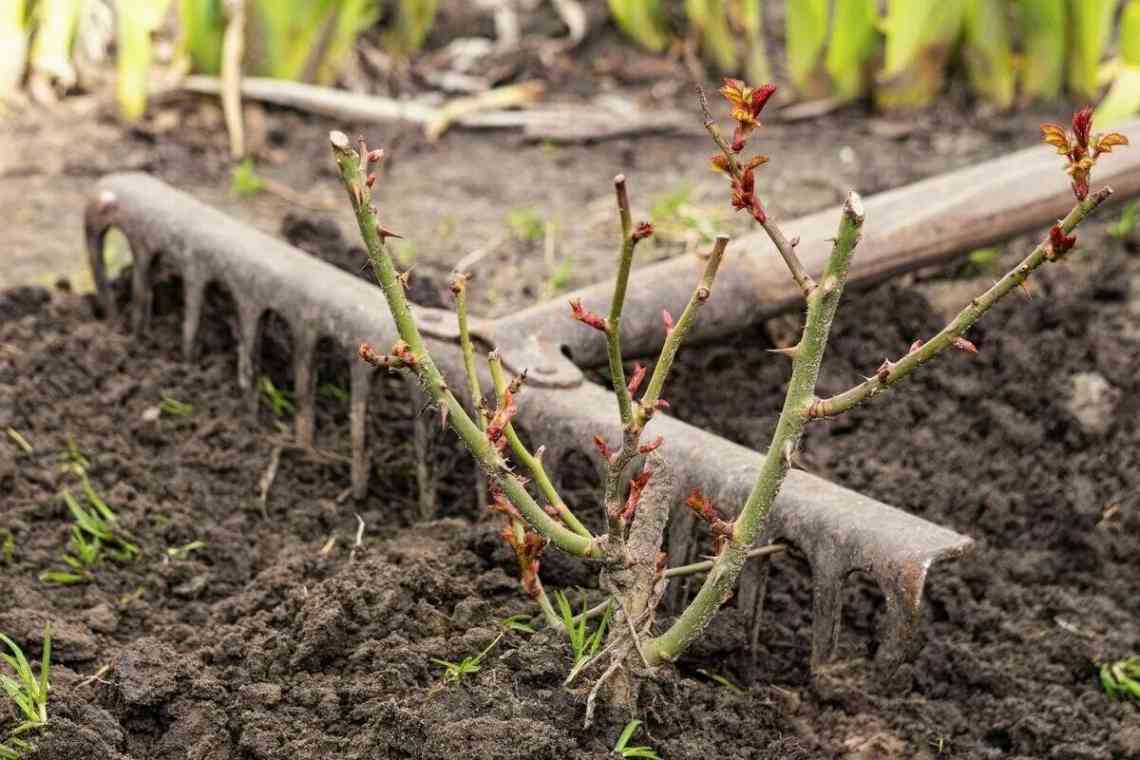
987 50
1043 27
920 37
50 67
642 21
1123 97
136 21
1091 25
14 30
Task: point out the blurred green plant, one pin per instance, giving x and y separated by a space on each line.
920 37
136 21
1123 97
15 28
244 179
1090 23
172 407
27 692
1043 32
280 400
50 66
988 50
642 21
526 224
1121 679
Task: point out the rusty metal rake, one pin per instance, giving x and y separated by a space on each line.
838 530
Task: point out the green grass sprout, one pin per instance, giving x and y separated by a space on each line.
92 536
517 623
583 643
20 441
526 224
8 546
72 461
172 407
333 392
722 680
623 749
454 672
245 182
1121 679
184 551
27 692
280 400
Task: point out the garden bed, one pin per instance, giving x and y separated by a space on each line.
270 644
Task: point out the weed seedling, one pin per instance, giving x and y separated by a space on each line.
454 672
722 680
7 546
1121 679
172 407
245 181
333 392
27 693
20 441
622 748
72 461
182 552
517 623
92 535
526 224
583 642
279 399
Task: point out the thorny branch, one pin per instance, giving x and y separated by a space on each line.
748 104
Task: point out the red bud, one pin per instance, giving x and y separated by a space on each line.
587 317
653 445
635 380
644 230
964 345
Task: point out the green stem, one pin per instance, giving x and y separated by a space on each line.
823 301
353 170
892 373
613 322
708 564
529 460
459 289
677 335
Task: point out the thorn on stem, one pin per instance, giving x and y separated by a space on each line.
667 318
603 447
916 345
790 352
